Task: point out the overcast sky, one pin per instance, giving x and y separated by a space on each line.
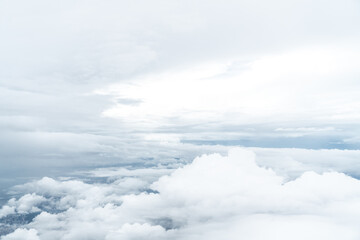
144 87
85 80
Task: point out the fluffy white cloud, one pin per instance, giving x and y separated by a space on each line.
27 203
213 197
22 234
6 210
166 74
138 231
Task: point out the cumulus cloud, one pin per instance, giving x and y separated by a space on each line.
22 234
6 210
138 231
144 87
26 203
213 197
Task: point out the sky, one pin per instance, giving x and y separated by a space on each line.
91 88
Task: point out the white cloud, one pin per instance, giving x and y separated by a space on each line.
22 234
98 83
193 71
214 196
291 86
6 210
138 231
27 203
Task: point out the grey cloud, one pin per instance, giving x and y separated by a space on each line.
55 55
128 101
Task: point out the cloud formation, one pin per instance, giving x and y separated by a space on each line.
213 197
138 84
204 71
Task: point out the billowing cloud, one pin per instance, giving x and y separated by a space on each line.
214 196
118 97
22 234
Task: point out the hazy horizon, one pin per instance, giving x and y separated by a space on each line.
179 119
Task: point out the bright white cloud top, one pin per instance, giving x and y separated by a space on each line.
105 104
213 197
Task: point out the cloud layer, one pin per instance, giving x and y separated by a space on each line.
204 71
146 86
213 197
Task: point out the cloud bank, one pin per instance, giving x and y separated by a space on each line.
213 197
293 64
